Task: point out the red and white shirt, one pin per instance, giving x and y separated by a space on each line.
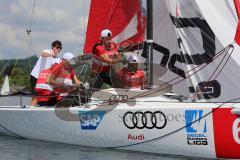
98 65
63 75
42 80
131 79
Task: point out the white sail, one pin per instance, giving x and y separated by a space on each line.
165 45
5 88
191 34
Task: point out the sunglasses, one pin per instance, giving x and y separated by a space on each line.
58 47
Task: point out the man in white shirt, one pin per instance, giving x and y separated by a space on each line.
46 60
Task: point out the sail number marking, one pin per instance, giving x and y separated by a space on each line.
236 130
209 47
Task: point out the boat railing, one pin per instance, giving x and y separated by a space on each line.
87 97
76 99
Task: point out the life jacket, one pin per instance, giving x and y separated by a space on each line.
132 79
62 75
42 80
95 46
98 65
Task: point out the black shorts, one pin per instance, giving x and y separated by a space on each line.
52 102
101 78
33 82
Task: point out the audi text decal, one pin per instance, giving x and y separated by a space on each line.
146 119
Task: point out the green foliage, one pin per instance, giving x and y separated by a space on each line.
19 78
1 80
26 65
18 69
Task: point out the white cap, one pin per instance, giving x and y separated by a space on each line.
132 59
69 56
105 33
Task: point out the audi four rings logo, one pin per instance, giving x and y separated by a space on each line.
146 119
118 99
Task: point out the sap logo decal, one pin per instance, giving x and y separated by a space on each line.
90 120
196 127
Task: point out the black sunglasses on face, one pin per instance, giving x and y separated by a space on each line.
58 47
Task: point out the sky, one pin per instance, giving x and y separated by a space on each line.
65 20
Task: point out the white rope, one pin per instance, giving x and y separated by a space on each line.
84 17
29 30
5 66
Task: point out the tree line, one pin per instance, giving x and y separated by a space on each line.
18 70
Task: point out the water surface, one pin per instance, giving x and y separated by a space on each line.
12 148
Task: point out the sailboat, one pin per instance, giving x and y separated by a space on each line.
191 52
5 90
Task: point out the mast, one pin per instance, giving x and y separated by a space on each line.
149 42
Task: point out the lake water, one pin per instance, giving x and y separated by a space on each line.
23 149
12 148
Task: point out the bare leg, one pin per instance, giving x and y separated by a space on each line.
33 101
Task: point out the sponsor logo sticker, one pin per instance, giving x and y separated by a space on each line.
144 120
89 120
196 127
139 137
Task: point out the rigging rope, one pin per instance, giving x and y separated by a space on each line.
14 68
187 76
29 30
215 71
84 17
5 66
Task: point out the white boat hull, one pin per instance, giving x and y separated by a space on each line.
115 126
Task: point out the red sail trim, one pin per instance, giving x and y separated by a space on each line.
237 36
237 5
114 15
